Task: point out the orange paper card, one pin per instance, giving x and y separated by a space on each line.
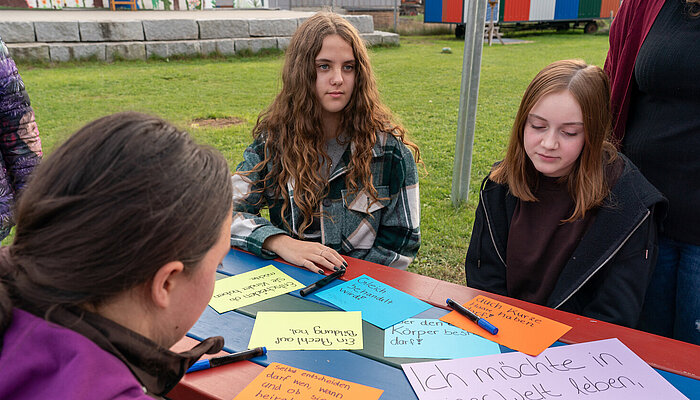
279 381
518 329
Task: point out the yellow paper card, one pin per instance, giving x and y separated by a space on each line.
279 381
319 330
251 287
518 329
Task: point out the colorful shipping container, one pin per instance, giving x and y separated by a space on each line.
521 11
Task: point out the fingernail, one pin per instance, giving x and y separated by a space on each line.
336 268
345 264
320 271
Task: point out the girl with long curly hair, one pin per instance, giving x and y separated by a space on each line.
327 160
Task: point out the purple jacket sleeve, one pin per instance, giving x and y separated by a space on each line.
20 145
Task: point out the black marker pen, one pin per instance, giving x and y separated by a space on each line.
321 283
479 321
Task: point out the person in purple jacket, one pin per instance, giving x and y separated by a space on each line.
20 146
118 239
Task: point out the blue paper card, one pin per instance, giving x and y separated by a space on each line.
381 304
432 338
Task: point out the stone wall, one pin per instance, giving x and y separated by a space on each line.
383 19
57 41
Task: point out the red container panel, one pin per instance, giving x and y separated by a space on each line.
516 11
607 6
452 11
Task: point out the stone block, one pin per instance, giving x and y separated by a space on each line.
283 43
223 28
363 23
255 45
76 51
172 48
85 50
125 51
17 32
183 48
157 49
111 31
29 52
171 29
224 47
59 53
371 39
273 27
89 50
388 38
57 31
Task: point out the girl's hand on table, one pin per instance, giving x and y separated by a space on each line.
310 255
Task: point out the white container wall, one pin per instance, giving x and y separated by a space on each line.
542 10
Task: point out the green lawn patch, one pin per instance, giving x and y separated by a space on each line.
418 82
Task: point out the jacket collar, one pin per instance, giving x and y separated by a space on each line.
499 206
625 209
156 368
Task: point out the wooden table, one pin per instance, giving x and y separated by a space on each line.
678 362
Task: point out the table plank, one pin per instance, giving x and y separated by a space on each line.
658 351
236 329
678 358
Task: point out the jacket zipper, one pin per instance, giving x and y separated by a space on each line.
488 223
606 260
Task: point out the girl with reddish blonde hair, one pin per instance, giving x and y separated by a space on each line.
564 220
336 173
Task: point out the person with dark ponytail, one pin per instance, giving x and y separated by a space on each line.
118 238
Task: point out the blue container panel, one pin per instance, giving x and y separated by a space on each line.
566 9
433 11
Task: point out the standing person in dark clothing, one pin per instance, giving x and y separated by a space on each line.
652 64
20 146
564 220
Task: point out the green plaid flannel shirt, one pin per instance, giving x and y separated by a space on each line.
385 232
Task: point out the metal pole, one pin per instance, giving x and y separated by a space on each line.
475 13
396 16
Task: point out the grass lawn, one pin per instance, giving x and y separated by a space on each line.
418 82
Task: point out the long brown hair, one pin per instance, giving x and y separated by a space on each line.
290 127
586 181
119 199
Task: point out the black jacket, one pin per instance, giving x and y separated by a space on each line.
607 275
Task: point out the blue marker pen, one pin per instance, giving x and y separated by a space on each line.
479 321
216 361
